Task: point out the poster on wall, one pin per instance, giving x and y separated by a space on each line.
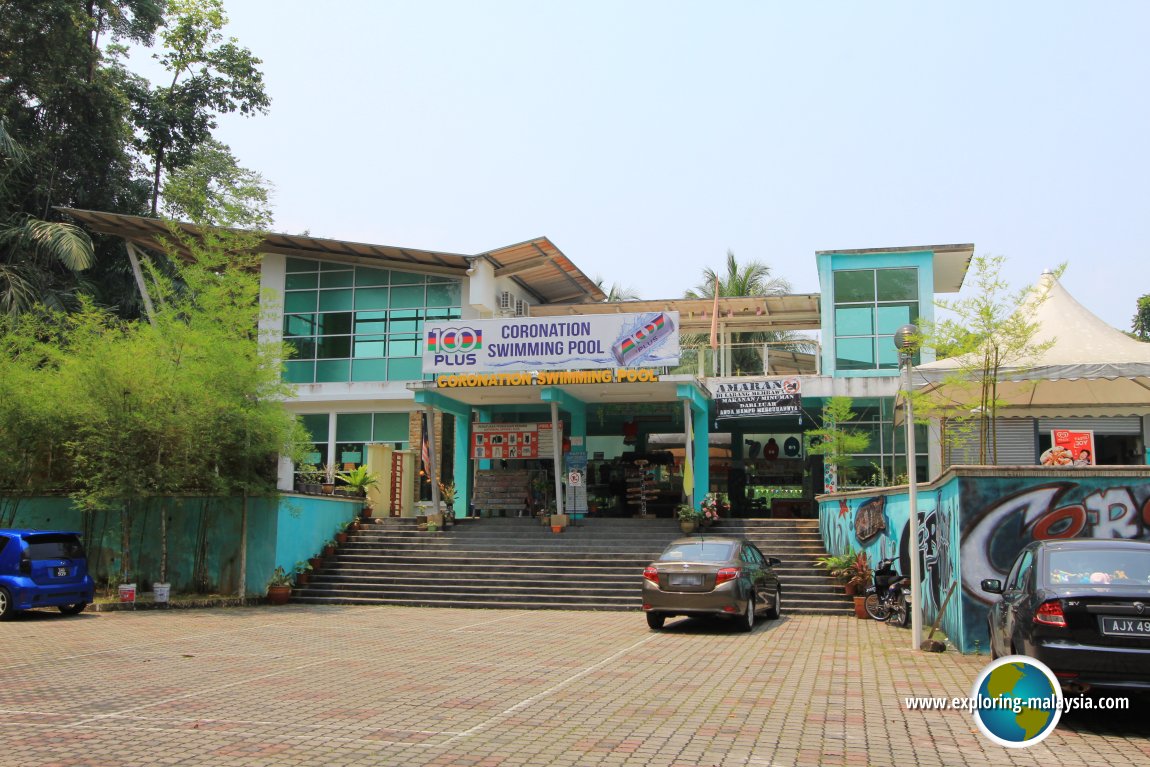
511 441
742 399
1069 448
582 342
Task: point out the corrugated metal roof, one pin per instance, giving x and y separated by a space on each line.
537 265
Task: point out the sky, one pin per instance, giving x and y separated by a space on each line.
645 139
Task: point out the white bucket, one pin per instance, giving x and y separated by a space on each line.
128 592
160 592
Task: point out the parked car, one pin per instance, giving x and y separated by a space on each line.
726 577
43 568
1080 606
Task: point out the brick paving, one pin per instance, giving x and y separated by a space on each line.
322 685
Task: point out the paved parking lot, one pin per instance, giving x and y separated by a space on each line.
301 685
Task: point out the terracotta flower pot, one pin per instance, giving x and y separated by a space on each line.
687 526
556 528
278 595
860 607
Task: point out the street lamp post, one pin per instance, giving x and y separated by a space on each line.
906 340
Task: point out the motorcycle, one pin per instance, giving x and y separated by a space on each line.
889 597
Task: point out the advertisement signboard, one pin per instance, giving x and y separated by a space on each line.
1069 448
743 399
511 441
584 342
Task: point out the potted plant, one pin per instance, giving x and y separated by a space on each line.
711 509
279 587
329 548
688 517
302 573
328 479
357 481
341 536
858 574
310 478
836 565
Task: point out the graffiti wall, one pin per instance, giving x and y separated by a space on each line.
973 522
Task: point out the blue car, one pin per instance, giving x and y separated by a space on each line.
43 568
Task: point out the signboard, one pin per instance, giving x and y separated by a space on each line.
576 500
1069 448
750 399
511 441
583 342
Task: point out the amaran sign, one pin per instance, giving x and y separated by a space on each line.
587 342
744 399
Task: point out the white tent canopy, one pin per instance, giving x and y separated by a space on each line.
1089 369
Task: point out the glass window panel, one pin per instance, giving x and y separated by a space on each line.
316 425
438 315
304 347
370 346
301 281
854 321
897 284
854 286
302 265
854 353
369 370
891 317
334 300
353 427
887 353
334 324
403 345
337 279
299 372
371 298
299 325
332 266
300 301
371 277
332 370
390 427
332 347
404 321
405 369
406 278
348 455
443 295
371 322
408 297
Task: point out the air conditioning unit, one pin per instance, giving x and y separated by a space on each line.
522 308
506 301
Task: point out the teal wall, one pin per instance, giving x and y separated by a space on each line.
974 521
203 537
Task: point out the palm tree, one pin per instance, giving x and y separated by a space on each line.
617 292
750 279
38 259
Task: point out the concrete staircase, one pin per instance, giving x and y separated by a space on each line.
518 563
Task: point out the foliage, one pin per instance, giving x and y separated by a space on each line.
687 513
711 508
991 331
752 278
358 479
1141 322
837 564
213 189
281 577
447 492
833 440
858 571
617 292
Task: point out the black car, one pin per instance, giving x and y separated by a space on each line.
1082 607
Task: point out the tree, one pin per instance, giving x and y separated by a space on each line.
989 332
210 75
750 279
617 292
214 190
1141 321
836 442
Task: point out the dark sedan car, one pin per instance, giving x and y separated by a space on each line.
43 568
1082 607
726 577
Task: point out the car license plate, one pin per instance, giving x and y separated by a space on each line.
61 572
1126 627
686 579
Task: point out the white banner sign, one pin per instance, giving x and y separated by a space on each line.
583 342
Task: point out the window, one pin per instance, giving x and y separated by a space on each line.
353 433
870 305
353 323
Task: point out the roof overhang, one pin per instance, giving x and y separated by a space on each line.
748 314
951 262
537 265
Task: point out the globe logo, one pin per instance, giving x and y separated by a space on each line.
1018 701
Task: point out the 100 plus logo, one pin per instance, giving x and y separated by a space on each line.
454 346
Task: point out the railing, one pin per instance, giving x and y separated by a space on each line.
763 358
